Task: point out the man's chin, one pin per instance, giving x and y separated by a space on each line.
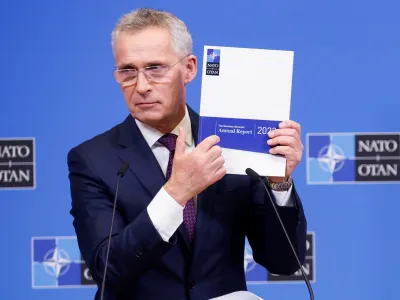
150 117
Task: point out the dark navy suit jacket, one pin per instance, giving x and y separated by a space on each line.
143 266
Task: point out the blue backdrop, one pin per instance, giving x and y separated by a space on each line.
57 88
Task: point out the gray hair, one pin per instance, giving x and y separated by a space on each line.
143 18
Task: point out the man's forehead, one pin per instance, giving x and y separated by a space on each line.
141 57
135 47
146 39
141 61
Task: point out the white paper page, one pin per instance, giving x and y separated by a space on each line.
252 84
240 295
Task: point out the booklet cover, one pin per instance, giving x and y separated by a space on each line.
245 93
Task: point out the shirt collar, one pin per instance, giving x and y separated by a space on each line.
151 135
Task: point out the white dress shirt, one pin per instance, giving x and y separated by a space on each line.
166 213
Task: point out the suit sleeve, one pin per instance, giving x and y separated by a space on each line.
134 246
266 237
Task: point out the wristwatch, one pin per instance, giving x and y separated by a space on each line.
280 186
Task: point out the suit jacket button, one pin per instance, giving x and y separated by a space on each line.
139 252
192 284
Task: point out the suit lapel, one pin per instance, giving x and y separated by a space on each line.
141 159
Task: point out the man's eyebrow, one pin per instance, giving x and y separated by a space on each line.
126 66
149 64
155 63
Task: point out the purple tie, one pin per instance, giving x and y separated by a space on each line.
189 213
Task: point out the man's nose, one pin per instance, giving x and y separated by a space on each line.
142 84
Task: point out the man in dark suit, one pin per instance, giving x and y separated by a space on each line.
181 221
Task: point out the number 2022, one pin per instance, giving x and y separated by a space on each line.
264 130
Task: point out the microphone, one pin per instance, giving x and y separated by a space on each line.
253 174
120 174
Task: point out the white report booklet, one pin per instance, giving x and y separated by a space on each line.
245 93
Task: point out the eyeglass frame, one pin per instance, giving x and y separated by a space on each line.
116 70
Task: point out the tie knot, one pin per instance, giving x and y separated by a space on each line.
168 141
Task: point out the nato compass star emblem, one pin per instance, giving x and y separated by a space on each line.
56 262
331 158
213 55
249 263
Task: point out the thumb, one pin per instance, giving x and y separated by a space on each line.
180 147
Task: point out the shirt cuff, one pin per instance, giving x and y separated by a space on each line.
284 198
165 213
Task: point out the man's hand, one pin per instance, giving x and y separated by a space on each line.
194 172
287 136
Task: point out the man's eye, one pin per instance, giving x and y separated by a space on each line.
154 68
157 70
128 71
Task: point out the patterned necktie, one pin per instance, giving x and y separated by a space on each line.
189 212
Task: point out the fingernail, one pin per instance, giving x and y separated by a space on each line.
271 150
269 142
271 134
282 125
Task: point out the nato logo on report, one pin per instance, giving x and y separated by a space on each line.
340 158
213 62
57 263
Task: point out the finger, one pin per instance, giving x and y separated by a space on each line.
207 143
217 163
284 132
290 124
214 153
219 173
285 141
180 147
286 151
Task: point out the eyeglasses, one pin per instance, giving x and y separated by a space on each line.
155 74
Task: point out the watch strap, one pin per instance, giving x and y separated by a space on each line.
280 186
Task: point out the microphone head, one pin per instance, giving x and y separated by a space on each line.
253 174
123 169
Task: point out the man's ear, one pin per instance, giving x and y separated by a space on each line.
190 68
